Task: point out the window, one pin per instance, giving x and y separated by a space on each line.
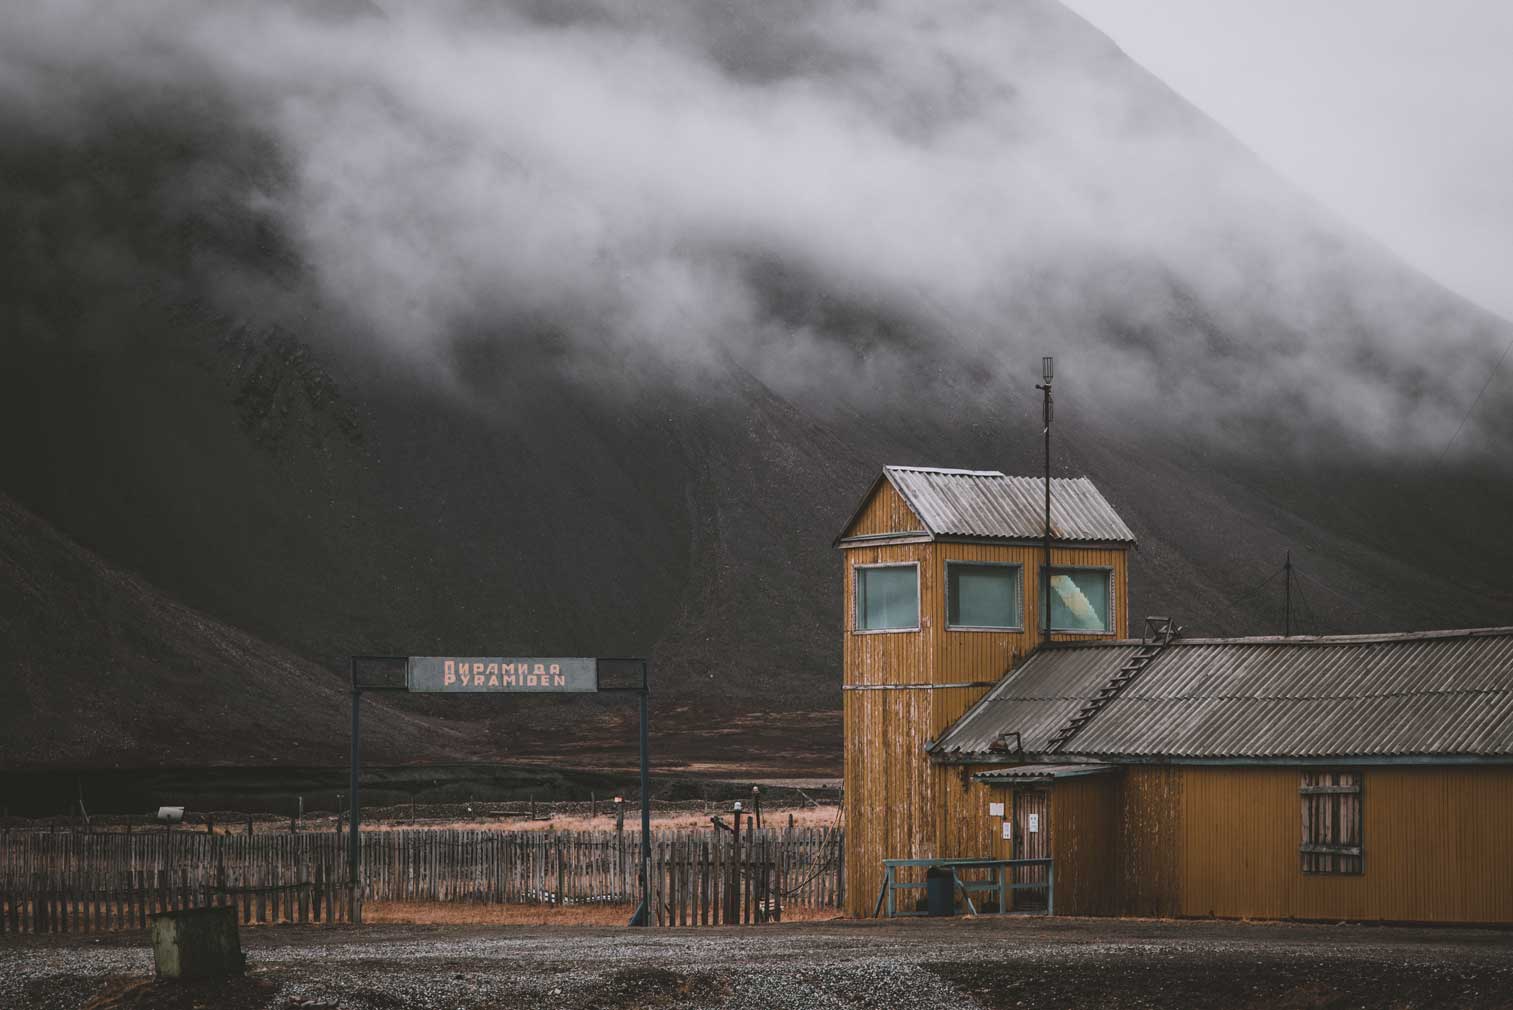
887 597
1081 600
983 596
1331 822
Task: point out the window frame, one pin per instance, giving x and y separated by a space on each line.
1018 595
1113 617
856 596
1330 859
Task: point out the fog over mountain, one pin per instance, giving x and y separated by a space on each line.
572 327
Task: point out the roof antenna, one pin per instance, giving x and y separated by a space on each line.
1047 372
1287 598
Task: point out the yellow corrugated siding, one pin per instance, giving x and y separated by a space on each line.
976 650
1149 813
886 512
966 830
1221 841
890 657
1437 844
939 655
890 795
1084 837
897 804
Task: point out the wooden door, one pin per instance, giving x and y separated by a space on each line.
1032 840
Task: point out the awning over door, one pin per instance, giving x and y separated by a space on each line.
1039 774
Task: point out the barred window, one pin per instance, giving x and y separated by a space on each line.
1331 822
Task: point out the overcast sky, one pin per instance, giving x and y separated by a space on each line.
1393 113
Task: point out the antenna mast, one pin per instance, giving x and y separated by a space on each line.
1047 372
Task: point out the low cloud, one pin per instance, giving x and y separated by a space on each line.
817 193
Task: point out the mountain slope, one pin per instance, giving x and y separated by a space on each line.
413 373
102 669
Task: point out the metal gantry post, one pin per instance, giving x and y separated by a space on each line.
642 916
354 849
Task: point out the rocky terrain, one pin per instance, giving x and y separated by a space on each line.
997 964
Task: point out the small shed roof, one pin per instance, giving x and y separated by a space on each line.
1414 695
1041 773
992 505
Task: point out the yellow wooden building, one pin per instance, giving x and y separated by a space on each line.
1342 777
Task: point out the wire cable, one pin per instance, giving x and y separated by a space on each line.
829 861
1257 587
1329 589
1472 409
1313 624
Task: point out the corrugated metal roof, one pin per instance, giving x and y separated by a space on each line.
1035 699
987 503
1020 773
1425 694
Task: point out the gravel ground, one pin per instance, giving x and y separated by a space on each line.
939 965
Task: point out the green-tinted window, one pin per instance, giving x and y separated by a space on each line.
887 598
1081 600
982 596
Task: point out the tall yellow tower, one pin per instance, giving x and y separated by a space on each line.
942 570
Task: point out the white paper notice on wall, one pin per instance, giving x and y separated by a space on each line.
995 809
1008 829
1034 822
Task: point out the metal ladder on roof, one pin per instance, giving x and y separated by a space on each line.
1159 631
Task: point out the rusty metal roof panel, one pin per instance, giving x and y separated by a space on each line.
987 503
1430 694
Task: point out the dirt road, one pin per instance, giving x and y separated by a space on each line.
1063 964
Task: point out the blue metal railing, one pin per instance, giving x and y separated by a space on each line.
998 885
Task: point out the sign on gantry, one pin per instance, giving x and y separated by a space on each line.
502 674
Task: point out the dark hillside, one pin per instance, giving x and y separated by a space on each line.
103 669
205 429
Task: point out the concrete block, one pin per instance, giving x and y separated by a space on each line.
197 943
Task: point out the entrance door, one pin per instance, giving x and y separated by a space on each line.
1032 840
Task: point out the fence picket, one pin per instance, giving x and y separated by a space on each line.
62 882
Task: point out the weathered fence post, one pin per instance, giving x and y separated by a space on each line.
561 873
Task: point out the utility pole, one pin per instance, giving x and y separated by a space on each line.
1047 372
1287 598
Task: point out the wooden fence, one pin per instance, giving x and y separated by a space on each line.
703 880
85 882
77 882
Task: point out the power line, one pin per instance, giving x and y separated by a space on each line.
1313 624
1472 409
1257 587
1326 587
